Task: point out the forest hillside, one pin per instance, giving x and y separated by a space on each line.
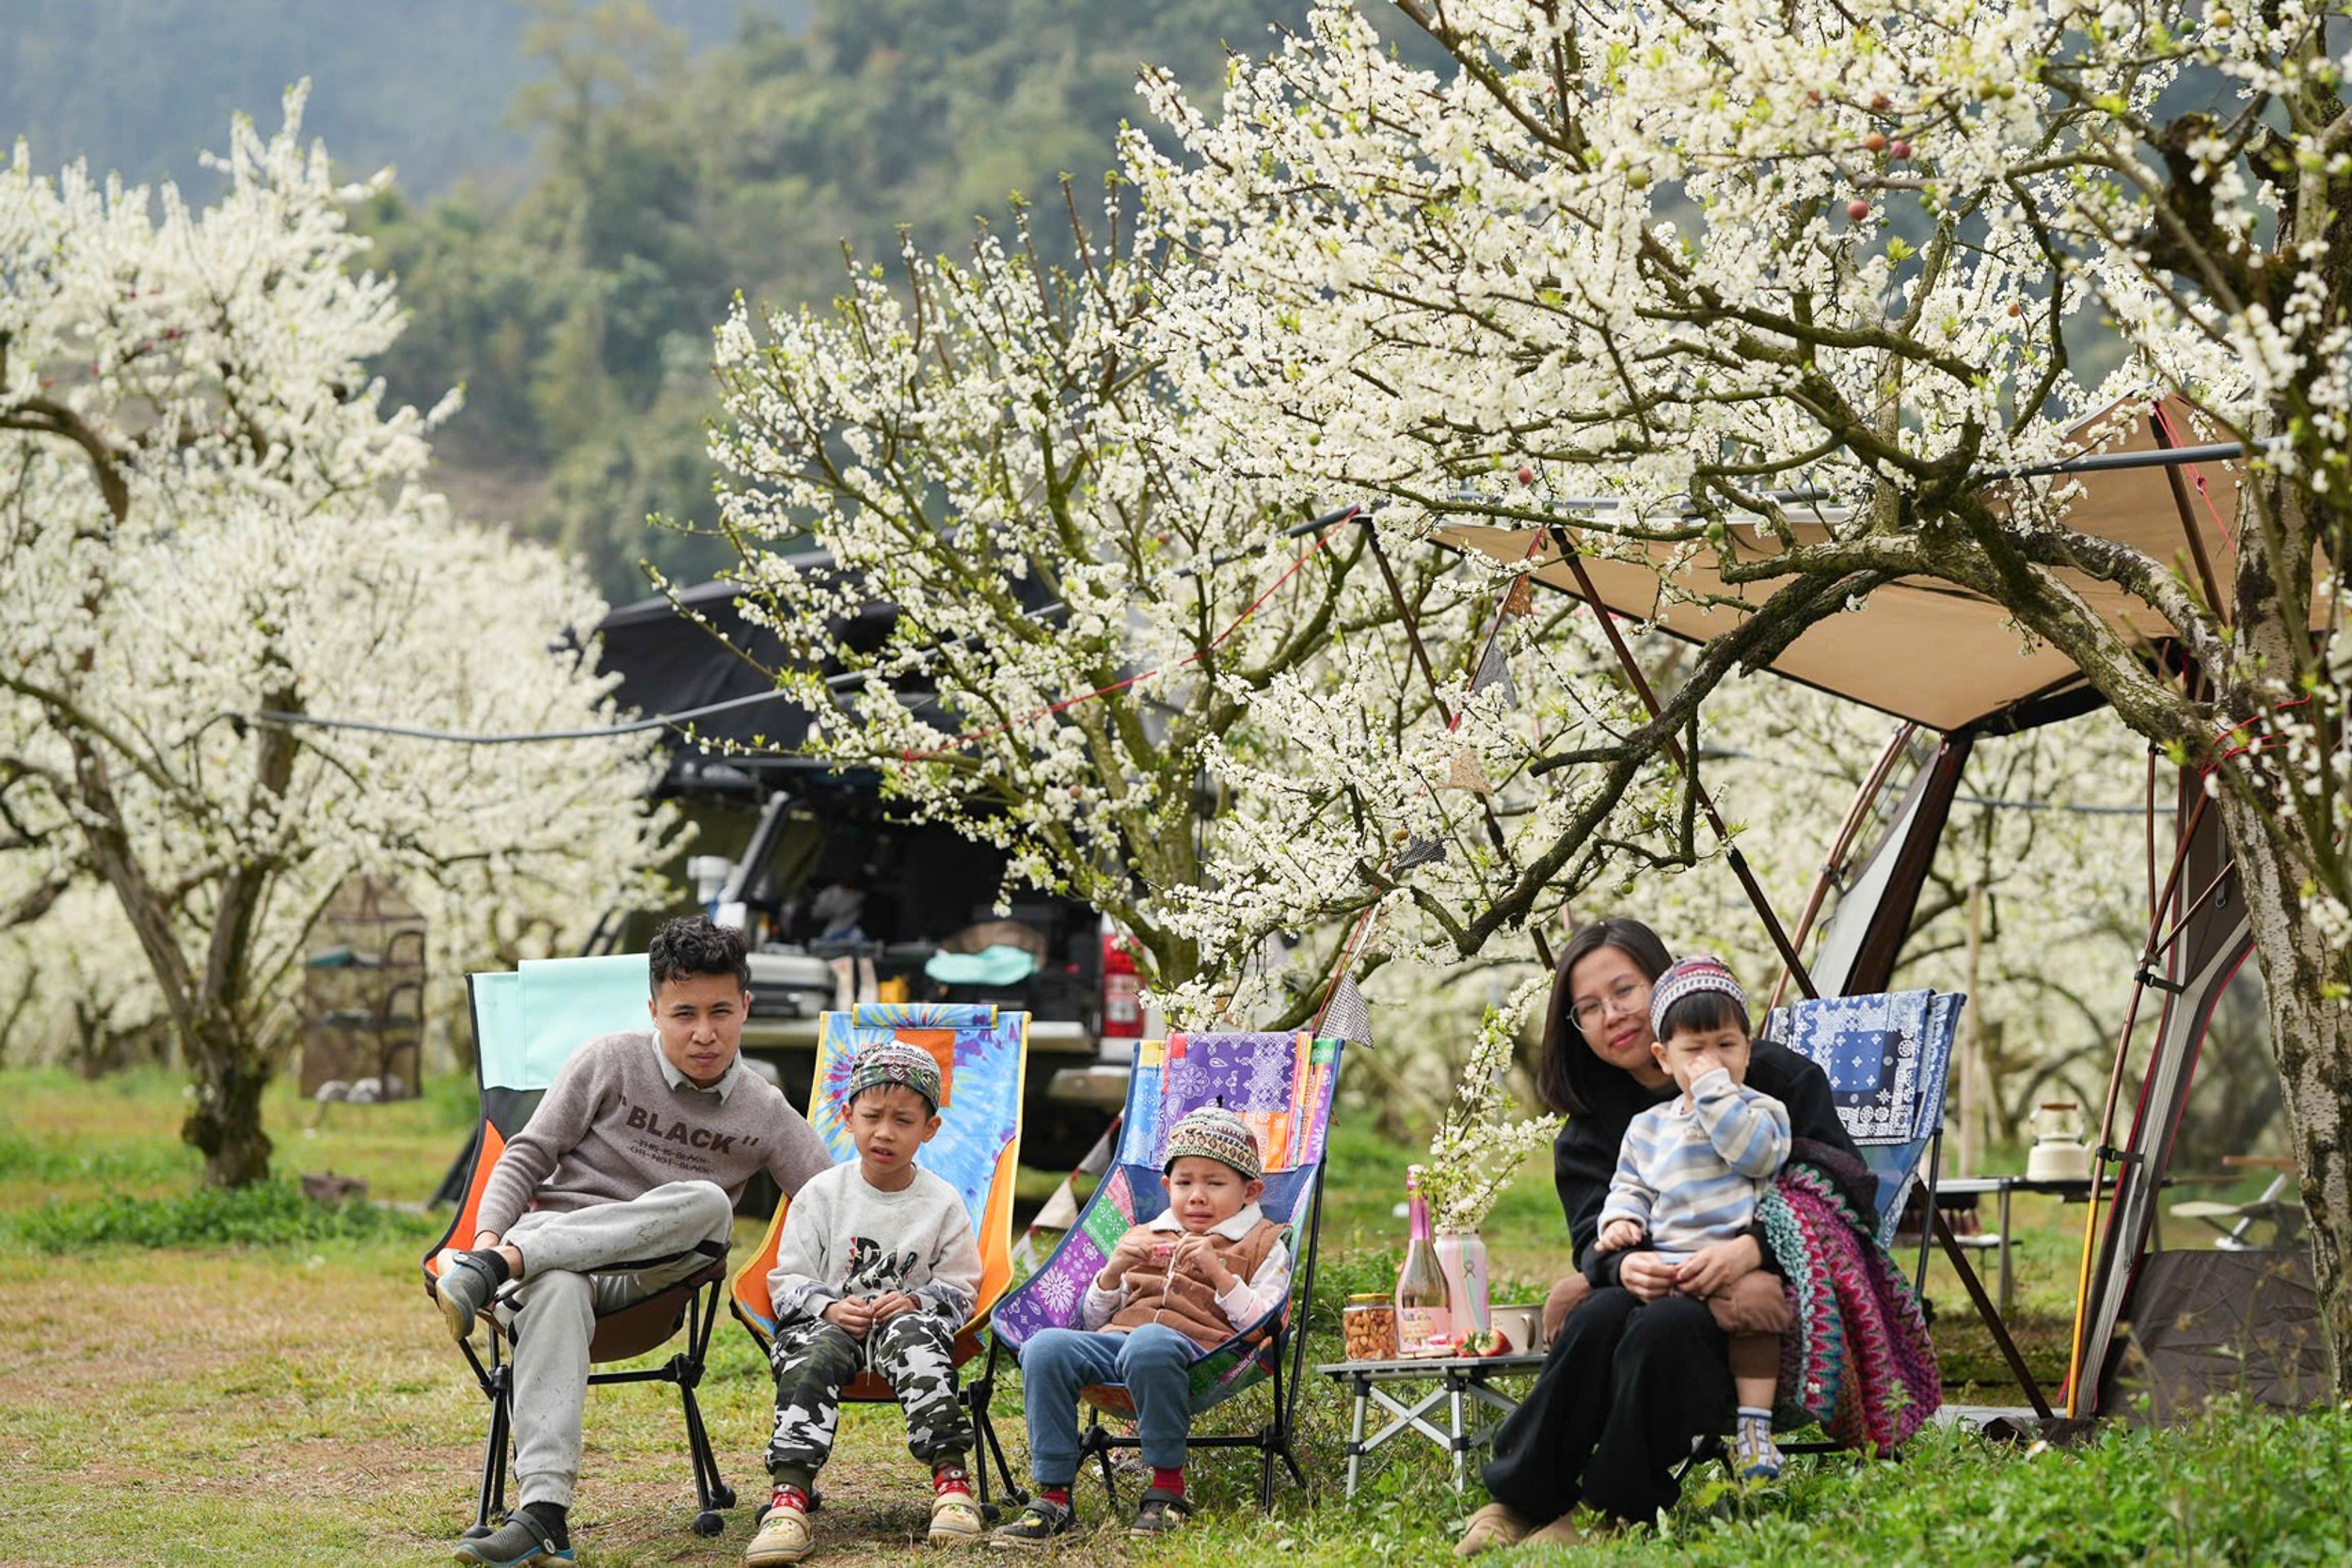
583 187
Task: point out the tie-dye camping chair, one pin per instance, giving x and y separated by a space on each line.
526 1025
982 1055
1282 1085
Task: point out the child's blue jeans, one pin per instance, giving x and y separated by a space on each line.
1153 1363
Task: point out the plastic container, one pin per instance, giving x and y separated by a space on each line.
1368 1326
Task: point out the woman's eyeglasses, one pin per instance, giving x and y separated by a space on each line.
1625 993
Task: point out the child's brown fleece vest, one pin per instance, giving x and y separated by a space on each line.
1187 1305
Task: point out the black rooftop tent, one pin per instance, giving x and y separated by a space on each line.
696 651
1952 664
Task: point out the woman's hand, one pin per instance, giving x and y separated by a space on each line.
1711 1270
1649 1276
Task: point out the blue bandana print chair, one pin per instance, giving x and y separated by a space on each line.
982 1056
526 1025
1280 1084
1888 1058
1860 1359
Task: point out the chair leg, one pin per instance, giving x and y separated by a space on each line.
1097 1441
710 1493
1291 1459
987 1446
491 1500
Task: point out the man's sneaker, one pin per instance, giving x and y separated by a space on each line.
465 1288
1754 1454
955 1517
783 1535
1160 1512
1042 1520
521 1539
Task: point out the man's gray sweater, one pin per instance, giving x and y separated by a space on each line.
611 1127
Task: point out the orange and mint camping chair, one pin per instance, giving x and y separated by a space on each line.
983 1058
525 1025
1282 1085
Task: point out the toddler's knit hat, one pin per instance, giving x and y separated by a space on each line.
1214 1133
895 1062
1688 977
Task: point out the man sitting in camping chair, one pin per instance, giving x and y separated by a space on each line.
622 1183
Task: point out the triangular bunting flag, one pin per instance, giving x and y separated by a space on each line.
1345 1015
1466 773
1494 670
1418 851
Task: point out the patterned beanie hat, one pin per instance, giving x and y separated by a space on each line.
895 1062
1214 1133
1688 977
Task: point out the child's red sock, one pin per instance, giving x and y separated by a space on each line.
789 1496
1168 1480
1059 1494
951 1478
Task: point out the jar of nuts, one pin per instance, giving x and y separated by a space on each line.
1369 1326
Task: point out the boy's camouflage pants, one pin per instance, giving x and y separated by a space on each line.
813 1359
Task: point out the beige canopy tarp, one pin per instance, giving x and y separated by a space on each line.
1915 649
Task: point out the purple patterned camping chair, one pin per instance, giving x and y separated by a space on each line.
1282 1085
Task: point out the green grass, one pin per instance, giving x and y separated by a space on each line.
178 1389
266 1214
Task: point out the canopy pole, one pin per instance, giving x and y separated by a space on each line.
1429 674
2155 943
1789 959
2157 428
1835 862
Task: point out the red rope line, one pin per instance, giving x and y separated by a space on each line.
1194 658
2195 476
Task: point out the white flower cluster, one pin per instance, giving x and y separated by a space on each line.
1478 1150
206 516
1702 261
1102 657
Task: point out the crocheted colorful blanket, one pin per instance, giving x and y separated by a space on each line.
1860 1361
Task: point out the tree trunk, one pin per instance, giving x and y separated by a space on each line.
225 1123
2311 1035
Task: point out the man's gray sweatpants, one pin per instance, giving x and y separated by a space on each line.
575 1266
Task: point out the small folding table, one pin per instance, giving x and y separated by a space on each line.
1462 1383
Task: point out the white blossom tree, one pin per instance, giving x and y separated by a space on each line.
210 531
1119 648
1695 258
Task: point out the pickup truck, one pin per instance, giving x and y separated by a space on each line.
926 927
800 846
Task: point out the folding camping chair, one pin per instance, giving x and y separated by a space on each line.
982 1056
525 1025
1887 1058
1282 1085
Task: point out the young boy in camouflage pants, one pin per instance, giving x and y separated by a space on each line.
876 1269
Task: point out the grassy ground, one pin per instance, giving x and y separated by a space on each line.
288 1399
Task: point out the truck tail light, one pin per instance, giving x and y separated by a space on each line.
1122 991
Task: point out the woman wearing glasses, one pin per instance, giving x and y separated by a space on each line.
1641 1359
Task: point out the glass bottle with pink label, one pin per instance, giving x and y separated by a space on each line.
1424 1314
